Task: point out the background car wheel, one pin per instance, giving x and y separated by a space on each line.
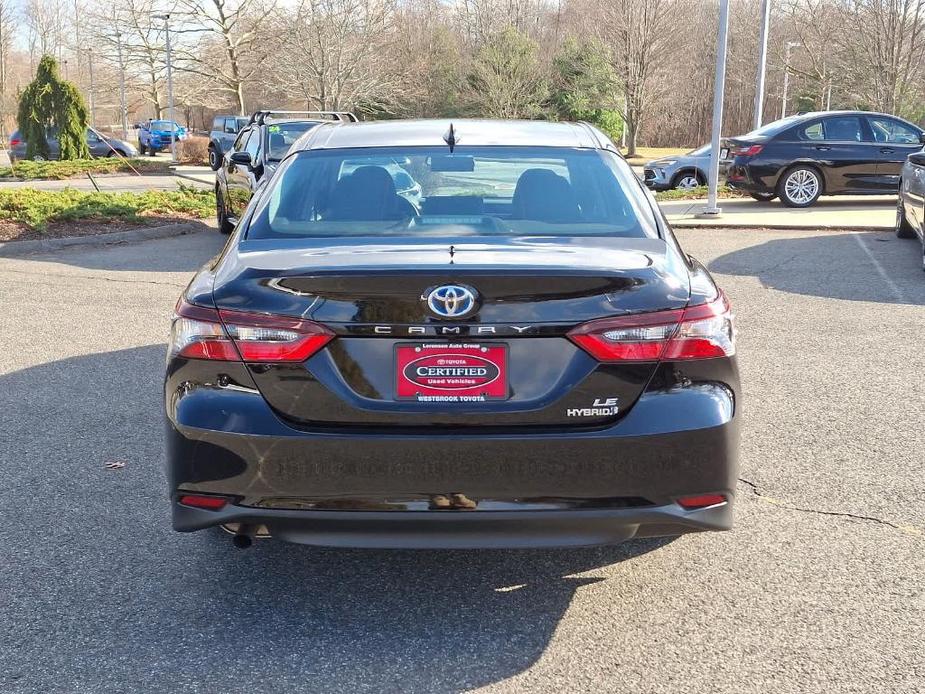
800 186
224 226
903 229
687 180
141 149
763 197
215 162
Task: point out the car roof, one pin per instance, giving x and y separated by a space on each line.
820 114
468 132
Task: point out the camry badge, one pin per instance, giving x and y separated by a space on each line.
451 301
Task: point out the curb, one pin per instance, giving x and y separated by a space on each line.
15 249
692 224
189 177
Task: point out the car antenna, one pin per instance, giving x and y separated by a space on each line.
450 138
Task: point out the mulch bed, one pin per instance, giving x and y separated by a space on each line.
16 231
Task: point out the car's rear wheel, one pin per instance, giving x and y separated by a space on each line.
214 160
687 180
116 153
763 197
800 186
221 214
141 148
903 229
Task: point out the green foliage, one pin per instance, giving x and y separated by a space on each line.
39 208
48 102
585 86
506 79
58 170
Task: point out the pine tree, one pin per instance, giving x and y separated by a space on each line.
50 103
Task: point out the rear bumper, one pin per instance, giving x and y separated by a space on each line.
674 442
462 529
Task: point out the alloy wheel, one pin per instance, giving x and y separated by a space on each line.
688 181
802 186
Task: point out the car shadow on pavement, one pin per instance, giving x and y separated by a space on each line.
100 594
864 266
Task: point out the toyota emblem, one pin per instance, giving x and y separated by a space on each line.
451 301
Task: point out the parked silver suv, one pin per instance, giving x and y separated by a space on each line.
682 171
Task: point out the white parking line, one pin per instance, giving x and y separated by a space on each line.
894 288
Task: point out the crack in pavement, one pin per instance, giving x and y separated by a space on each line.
67 275
908 529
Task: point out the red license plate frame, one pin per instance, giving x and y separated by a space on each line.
455 373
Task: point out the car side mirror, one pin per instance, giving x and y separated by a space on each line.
241 158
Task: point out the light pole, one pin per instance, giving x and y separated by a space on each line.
719 86
762 61
783 102
173 139
124 111
92 88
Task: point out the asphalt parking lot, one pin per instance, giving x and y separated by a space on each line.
820 588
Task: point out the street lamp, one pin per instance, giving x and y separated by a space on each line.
762 62
92 89
173 139
783 102
719 85
122 87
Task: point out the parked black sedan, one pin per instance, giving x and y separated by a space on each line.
255 154
910 206
801 157
528 359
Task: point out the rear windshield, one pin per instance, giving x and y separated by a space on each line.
776 126
473 191
282 135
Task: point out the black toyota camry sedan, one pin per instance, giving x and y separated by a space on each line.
804 156
521 356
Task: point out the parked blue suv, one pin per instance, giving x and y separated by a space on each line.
154 135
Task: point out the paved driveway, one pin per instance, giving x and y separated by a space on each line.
818 589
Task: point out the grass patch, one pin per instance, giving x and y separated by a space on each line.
36 209
28 170
698 193
647 154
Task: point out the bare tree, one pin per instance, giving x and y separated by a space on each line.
339 54
640 36
234 28
883 51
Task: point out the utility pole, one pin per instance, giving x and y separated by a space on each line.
124 111
762 62
719 86
92 89
173 121
783 102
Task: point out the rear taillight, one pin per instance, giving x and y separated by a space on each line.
204 333
704 331
15 141
747 150
210 503
693 503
